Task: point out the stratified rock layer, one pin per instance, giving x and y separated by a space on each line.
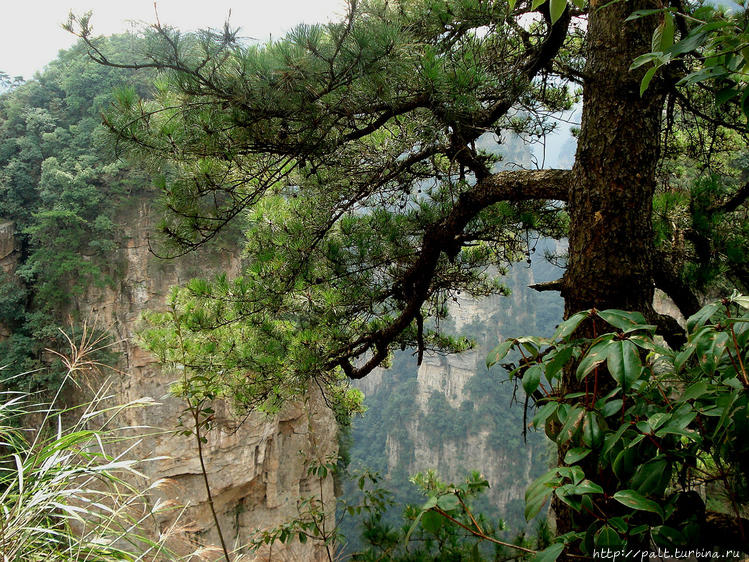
257 467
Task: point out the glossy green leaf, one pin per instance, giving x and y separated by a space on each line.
649 477
448 502
642 60
622 319
567 327
663 535
693 41
697 390
611 407
699 318
683 356
607 537
646 79
711 350
592 434
677 424
429 504
475 553
544 412
655 41
667 37
567 495
613 438
557 362
624 464
534 505
646 342
542 485
556 9
499 352
532 344
658 419
532 378
576 454
432 521
550 553
588 487
594 357
642 13
633 500
726 94
571 425
623 362
619 524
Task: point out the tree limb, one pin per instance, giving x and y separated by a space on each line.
733 202
555 285
523 185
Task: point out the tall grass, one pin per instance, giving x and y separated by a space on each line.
63 494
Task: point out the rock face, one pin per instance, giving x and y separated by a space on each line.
507 469
8 260
451 413
257 467
505 463
8 250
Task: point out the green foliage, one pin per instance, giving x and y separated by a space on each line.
62 186
395 420
316 521
445 527
350 148
663 423
251 365
334 144
709 41
700 218
65 493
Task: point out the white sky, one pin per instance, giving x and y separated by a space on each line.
30 33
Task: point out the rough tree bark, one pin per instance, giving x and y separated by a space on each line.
610 203
611 196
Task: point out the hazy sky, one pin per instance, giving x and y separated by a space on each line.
30 33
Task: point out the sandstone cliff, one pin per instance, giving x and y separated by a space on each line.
257 467
8 250
8 260
453 415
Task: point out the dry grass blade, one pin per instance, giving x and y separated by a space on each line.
63 494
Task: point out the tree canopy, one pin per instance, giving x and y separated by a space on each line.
352 152
61 186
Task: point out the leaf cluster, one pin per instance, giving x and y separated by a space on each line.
663 423
61 187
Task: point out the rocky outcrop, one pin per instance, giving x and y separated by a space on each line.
257 467
506 468
8 261
458 416
8 249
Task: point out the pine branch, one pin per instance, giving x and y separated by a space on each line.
733 202
443 236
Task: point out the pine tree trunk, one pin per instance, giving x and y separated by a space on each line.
611 234
610 204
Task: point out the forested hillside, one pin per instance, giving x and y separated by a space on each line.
368 171
61 185
77 230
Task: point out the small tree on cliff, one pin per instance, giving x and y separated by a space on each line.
350 151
